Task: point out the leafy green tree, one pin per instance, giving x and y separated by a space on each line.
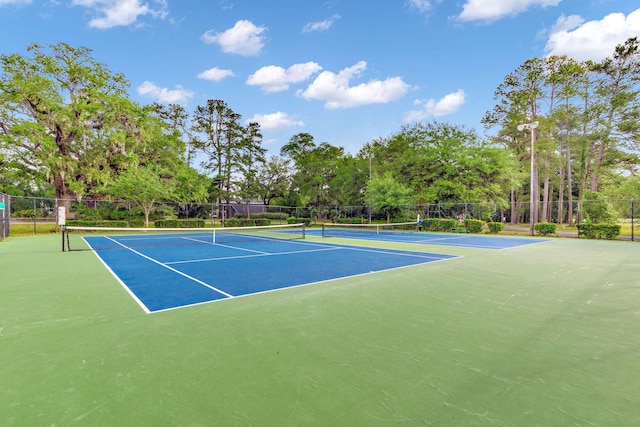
232 152
589 116
273 178
388 195
64 117
349 182
616 117
315 167
143 186
191 186
251 156
210 124
444 163
597 209
177 120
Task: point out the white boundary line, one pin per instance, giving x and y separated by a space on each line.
306 284
124 285
323 247
446 241
200 282
259 254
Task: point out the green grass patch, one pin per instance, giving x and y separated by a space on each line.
25 229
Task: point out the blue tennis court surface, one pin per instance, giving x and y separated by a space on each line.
481 241
167 277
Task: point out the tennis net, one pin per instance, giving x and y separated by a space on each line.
103 238
366 230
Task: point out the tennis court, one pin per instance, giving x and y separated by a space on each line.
541 335
407 233
176 268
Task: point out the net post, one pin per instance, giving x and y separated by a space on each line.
304 235
64 232
323 230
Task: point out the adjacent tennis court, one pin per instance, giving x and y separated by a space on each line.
407 233
166 269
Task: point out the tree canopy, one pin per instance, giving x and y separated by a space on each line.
68 127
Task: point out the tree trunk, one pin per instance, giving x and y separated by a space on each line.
596 176
536 191
545 193
569 188
560 219
64 195
514 216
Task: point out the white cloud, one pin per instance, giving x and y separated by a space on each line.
491 10
243 39
276 79
215 74
594 40
334 89
421 5
7 2
160 94
113 13
275 122
449 104
320 26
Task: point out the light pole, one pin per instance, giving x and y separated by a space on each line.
369 185
532 202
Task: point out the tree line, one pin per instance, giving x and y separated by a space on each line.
68 129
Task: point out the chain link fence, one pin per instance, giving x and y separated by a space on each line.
39 215
5 206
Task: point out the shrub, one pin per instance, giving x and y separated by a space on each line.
294 220
138 222
166 223
29 213
438 224
232 222
545 228
495 227
192 223
96 223
246 222
473 225
598 231
349 221
179 223
270 215
609 231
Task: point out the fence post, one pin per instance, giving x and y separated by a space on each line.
35 214
4 215
632 217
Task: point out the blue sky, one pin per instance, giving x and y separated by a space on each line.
345 71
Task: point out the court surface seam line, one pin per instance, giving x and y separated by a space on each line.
200 282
